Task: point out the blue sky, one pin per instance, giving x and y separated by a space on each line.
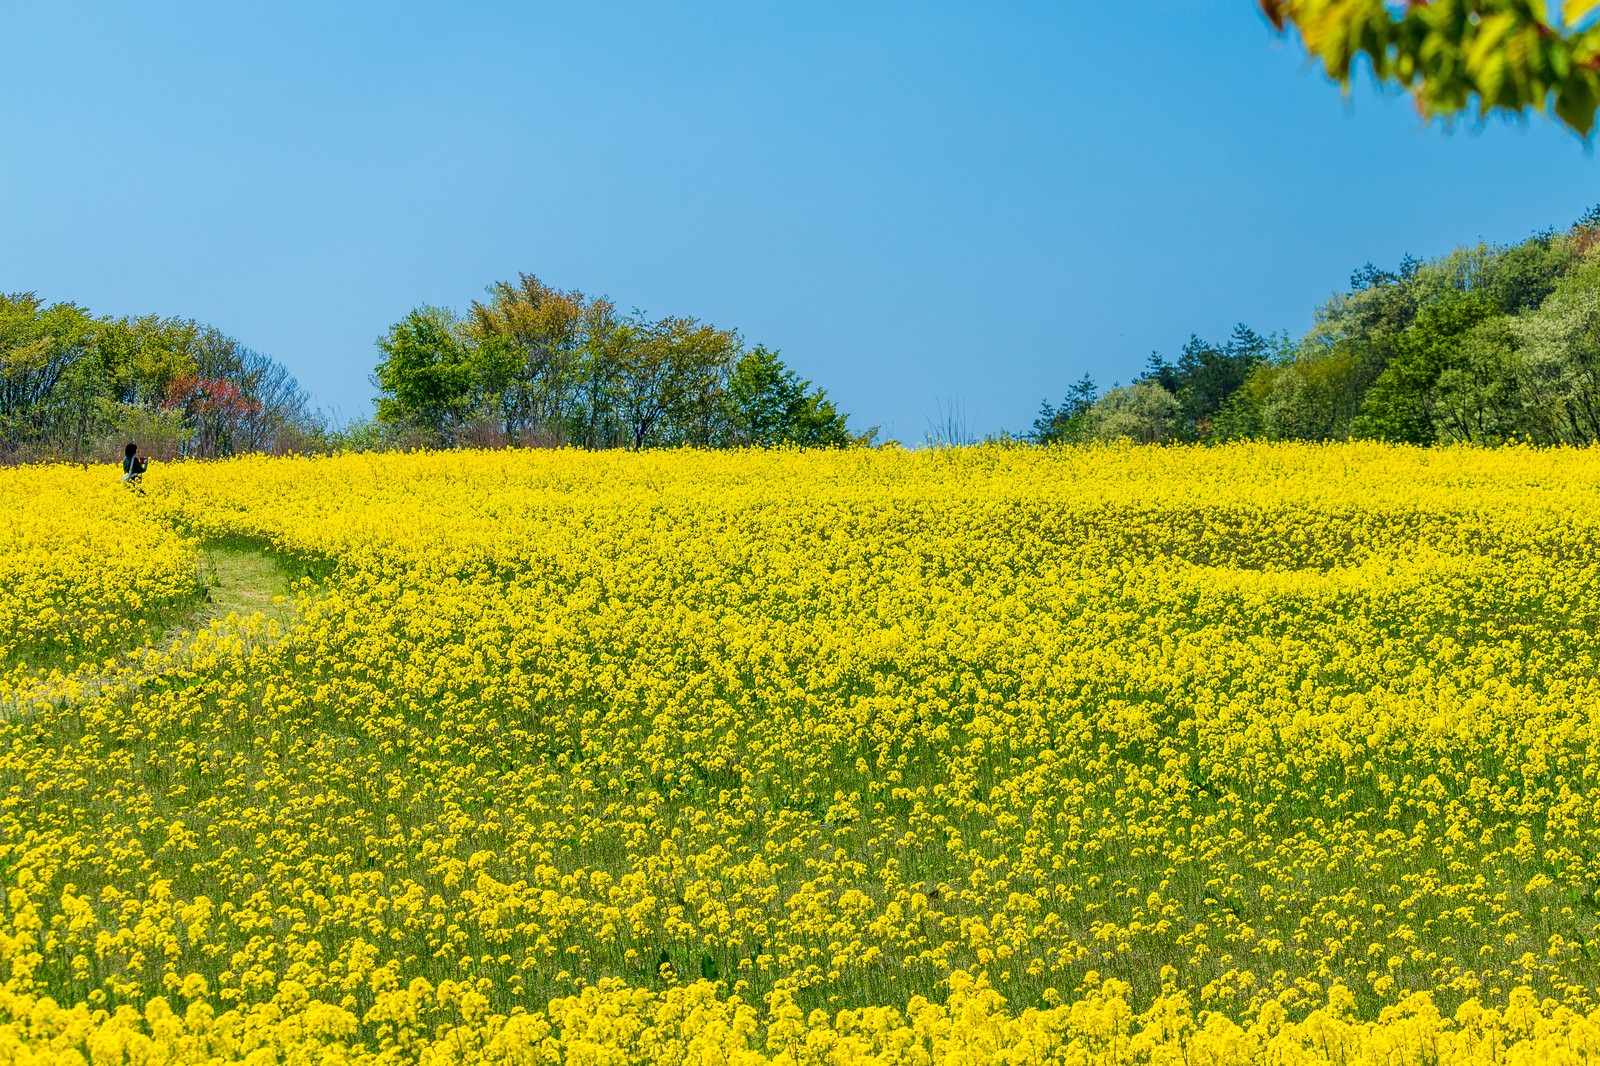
919 203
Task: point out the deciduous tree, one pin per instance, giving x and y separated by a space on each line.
1461 56
765 403
425 377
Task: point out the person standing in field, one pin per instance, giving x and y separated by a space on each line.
133 466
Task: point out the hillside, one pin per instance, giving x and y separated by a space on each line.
1487 344
814 756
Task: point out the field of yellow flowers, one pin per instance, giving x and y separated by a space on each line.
1110 755
84 574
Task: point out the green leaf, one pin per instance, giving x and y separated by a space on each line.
1576 101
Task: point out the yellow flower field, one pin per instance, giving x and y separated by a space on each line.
1111 755
84 574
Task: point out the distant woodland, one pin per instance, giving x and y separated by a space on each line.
527 366
76 386
533 365
1488 344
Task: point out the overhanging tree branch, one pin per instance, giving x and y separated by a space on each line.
1461 56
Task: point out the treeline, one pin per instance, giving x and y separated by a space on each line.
528 366
73 385
1488 344
534 365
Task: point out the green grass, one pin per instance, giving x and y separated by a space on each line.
239 579
235 578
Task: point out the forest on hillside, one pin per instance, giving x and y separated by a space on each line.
1487 344
74 385
535 365
529 366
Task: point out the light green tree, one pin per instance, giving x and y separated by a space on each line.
765 403
51 385
527 349
1461 56
1560 361
1479 396
668 377
425 377
1143 412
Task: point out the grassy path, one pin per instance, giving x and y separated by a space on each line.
245 591
240 581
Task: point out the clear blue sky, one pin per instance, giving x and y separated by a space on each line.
916 202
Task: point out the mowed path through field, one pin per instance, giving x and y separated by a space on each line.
246 592
239 581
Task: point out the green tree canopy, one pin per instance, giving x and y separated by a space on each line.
1143 412
533 364
76 386
1461 56
527 342
1400 404
425 378
1485 344
765 403
1067 422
